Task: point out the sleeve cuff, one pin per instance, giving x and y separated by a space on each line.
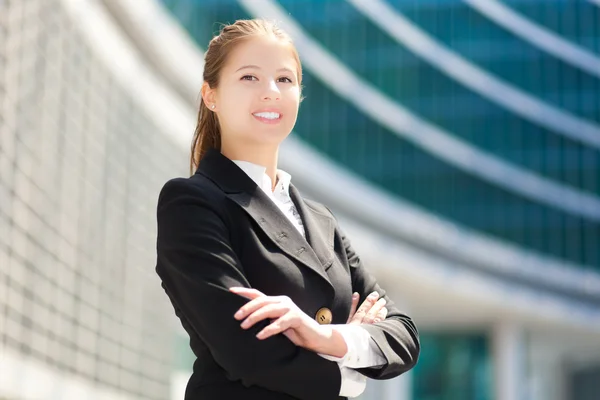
362 352
353 382
356 339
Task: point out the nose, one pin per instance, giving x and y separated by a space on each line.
272 91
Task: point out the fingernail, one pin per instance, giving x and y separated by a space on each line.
374 294
355 295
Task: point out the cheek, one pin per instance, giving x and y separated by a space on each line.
232 116
234 103
293 99
296 93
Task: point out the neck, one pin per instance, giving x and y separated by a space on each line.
260 155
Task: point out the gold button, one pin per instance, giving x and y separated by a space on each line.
324 316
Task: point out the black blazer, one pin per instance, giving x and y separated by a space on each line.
218 229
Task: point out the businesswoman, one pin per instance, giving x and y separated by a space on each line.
261 278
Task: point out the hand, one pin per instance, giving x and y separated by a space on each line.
370 311
286 317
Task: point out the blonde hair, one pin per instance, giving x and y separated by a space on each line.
208 132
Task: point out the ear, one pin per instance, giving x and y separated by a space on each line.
208 96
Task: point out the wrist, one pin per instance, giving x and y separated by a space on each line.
331 342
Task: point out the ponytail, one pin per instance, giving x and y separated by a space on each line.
207 135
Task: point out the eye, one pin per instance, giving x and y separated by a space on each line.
248 78
285 79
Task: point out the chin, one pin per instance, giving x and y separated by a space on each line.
271 137
271 134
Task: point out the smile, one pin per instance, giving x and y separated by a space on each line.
267 117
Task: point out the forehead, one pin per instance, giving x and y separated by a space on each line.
263 51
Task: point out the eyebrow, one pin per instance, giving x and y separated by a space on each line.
257 67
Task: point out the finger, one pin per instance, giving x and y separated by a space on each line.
355 298
365 307
368 303
269 311
248 293
278 326
370 316
254 305
381 315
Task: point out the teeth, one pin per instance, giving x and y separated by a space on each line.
268 115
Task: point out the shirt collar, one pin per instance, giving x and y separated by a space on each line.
258 174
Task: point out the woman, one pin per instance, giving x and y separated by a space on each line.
261 278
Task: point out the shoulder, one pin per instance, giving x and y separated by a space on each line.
319 207
196 189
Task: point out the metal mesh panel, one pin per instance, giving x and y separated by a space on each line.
80 170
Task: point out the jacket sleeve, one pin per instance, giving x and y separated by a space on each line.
197 266
397 335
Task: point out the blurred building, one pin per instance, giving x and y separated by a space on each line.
461 138
81 312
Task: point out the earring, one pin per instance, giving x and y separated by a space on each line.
212 107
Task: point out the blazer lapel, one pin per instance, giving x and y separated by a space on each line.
314 252
319 228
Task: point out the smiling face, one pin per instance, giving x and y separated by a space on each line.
258 94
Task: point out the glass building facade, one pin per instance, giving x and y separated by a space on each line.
453 367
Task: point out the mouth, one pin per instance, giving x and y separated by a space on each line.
268 117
